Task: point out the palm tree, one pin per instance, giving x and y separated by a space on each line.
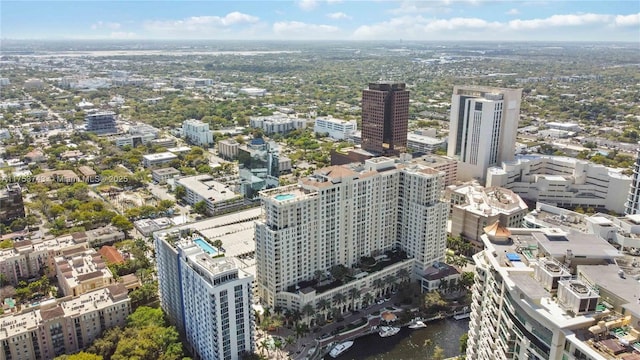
300 330
389 280
367 299
308 311
289 340
339 299
318 275
264 345
403 274
277 343
378 284
354 293
295 316
335 313
323 305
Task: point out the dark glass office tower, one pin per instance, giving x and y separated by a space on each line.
385 117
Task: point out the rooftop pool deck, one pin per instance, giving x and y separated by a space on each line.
206 247
283 197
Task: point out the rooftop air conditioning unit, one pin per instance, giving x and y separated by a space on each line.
577 297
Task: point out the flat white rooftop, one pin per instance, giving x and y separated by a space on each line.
206 187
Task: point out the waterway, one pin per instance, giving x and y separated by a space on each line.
410 344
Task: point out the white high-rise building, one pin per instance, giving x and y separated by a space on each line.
341 215
483 128
632 206
209 299
552 294
197 132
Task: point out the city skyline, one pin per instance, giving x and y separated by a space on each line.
450 20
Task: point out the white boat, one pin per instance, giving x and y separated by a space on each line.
419 324
340 348
462 316
387 331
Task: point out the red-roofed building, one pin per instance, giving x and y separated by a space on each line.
111 255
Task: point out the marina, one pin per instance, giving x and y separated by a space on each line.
410 343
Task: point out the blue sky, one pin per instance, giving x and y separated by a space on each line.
434 20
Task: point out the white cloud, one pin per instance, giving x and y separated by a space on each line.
627 20
459 24
559 21
300 30
433 6
105 25
418 27
198 24
338 16
513 12
307 5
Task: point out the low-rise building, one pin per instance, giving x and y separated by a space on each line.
134 140
197 132
254 91
336 128
27 259
440 277
568 127
35 155
81 270
148 226
158 159
88 174
179 149
228 149
104 235
164 174
474 207
279 124
164 142
219 197
111 255
101 123
424 144
563 181
64 326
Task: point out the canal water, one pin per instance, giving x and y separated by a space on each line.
410 344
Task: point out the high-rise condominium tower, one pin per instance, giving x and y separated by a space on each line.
552 294
341 215
385 117
632 206
483 128
208 299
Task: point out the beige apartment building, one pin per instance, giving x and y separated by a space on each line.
62 326
81 270
474 207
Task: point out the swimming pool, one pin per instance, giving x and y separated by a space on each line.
282 197
205 246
